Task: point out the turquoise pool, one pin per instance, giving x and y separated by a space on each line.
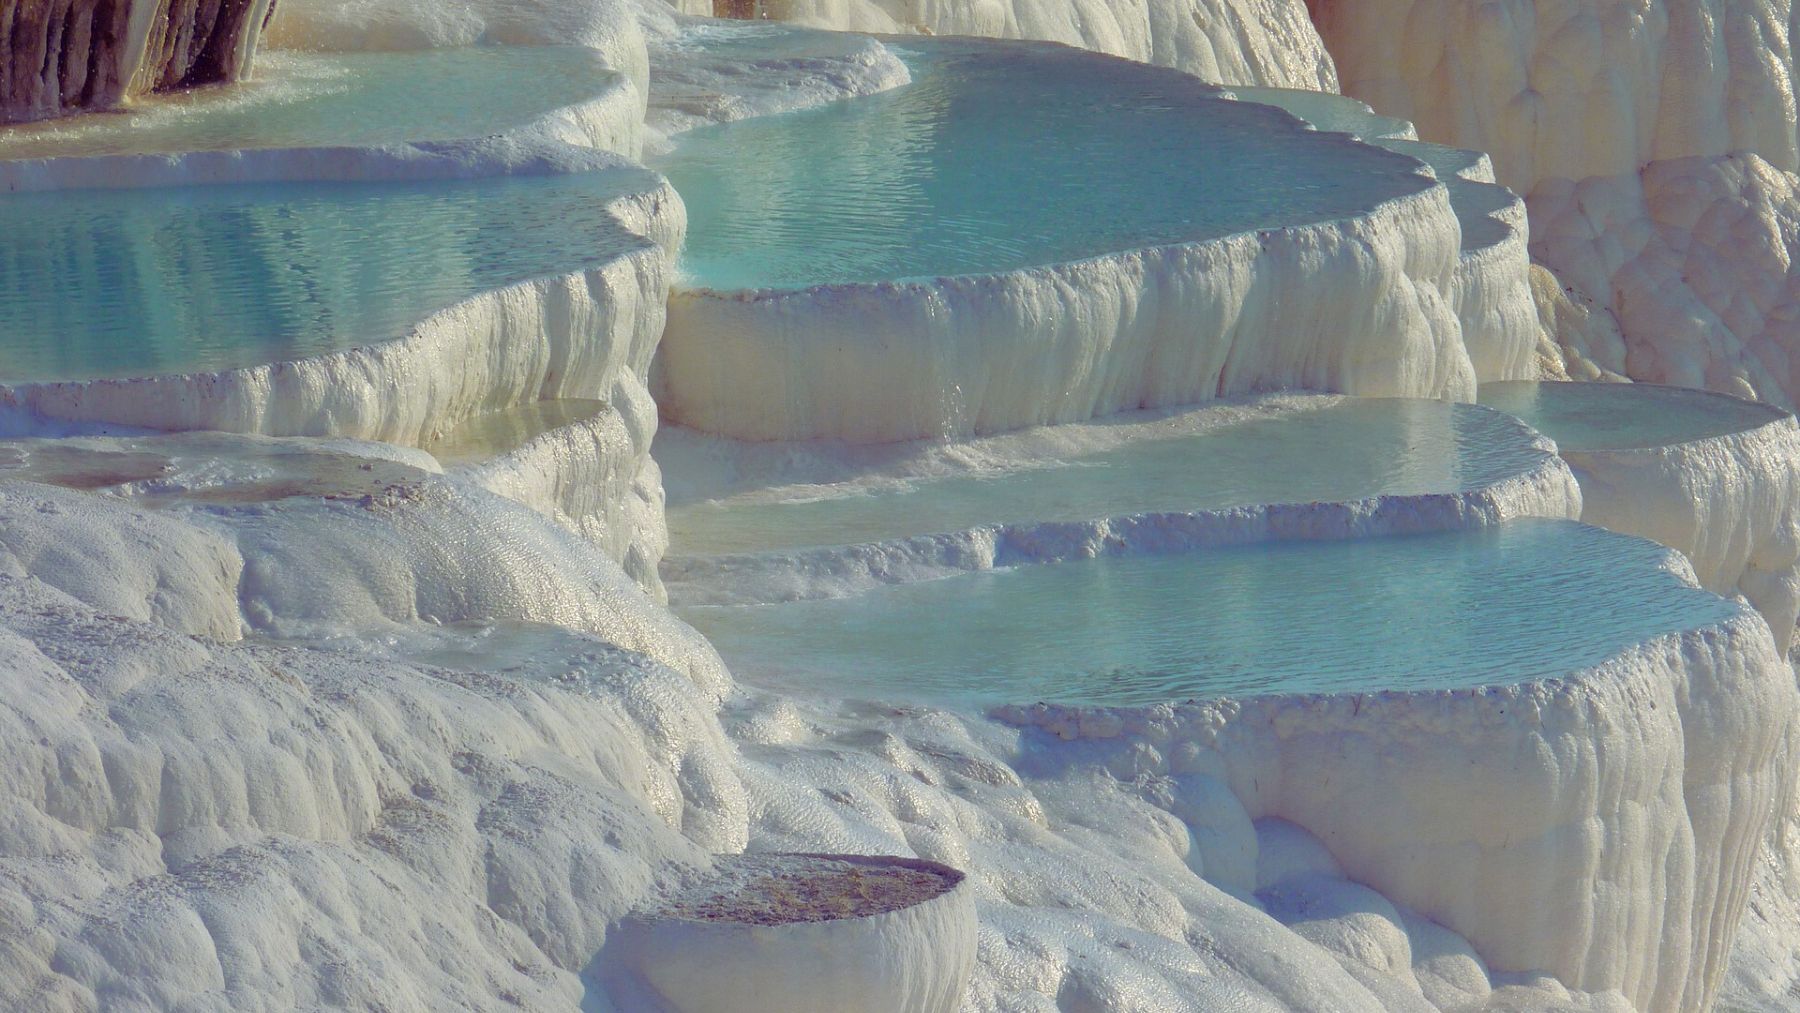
338 100
125 283
1523 601
1347 450
1624 416
954 174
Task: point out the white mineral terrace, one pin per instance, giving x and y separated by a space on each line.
1093 588
871 297
1708 474
753 523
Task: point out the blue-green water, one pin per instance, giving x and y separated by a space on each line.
1002 156
336 99
1349 450
1624 416
1527 600
119 283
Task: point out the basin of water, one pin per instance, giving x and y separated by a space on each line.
954 175
1343 450
139 282
1527 600
335 99
1625 416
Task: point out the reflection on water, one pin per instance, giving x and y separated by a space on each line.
1528 600
136 282
1000 157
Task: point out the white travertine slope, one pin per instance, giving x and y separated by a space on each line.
1491 286
1385 302
1695 258
1568 89
225 826
1656 144
1250 42
1536 483
1357 306
591 473
1609 834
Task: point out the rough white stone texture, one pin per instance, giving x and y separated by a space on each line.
1578 334
130 563
1695 257
1731 504
1764 975
596 477
1252 42
1602 829
1655 141
1491 285
1568 89
916 959
193 825
1358 306
440 552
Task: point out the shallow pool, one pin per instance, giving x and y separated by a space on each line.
1624 416
125 283
954 174
1526 600
335 99
1350 449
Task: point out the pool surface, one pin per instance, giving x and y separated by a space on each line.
1624 416
954 175
140 282
1350 449
335 99
1526 600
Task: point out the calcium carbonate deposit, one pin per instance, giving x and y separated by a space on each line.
616 506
